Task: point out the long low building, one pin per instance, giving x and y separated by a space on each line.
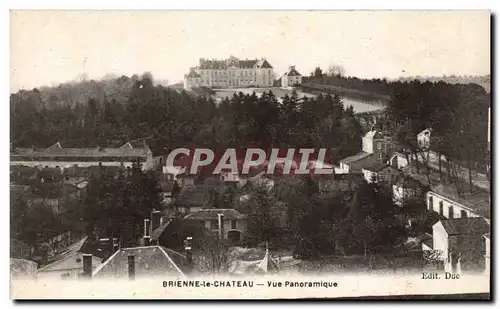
445 201
58 156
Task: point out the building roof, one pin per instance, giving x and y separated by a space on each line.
292 72
355 158
361 160
159 230
373 134
149 261
212 214
478 201
427 240
63 259
466 226
58 152
375 166
214 64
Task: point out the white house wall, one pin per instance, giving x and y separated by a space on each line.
440 240
457 208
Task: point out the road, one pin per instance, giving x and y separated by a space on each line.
478 179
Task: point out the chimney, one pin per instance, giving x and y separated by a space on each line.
221 225
131 267
155 219
147 236
87 265
189 253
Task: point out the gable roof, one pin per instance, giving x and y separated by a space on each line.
212 214
57 151
375 166
60 261
292 72
159 230
466 226
374 134
149 261
355 158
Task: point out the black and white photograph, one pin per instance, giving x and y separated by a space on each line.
249 154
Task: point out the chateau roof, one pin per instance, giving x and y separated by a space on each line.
227 63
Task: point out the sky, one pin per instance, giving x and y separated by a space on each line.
51 47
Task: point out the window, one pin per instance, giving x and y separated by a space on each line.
441 208
379 145
233 224
214 224
463 214
450 212
380 156
431 203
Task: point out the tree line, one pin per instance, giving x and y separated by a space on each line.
179 118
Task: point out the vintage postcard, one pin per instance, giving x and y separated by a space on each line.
250 154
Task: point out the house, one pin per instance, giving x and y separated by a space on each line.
229 223
398 160
487 253
445 200
291 78
60 156
405 188
68 264
376 171
230 73
424 139
460 243
171 233
143 262
375 148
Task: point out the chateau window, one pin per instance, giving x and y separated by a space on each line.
450 212
441 208
379 145
431 202
233 224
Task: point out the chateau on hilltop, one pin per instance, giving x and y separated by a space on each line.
230 73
